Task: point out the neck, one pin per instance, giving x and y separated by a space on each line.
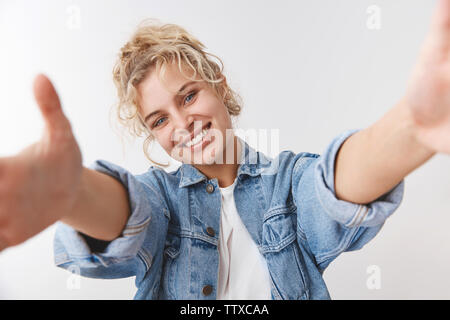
225 173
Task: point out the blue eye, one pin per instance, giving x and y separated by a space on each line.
191 94
158 122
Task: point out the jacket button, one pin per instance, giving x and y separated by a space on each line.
209 188
207 290
210 231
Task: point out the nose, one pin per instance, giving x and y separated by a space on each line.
183 126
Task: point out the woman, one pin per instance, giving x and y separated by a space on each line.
230 222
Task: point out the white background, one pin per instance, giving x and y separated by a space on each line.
311 69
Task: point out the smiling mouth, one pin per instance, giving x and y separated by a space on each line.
198 138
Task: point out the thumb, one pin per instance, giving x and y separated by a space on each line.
49 104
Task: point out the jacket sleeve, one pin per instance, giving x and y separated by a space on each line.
329 226
130 253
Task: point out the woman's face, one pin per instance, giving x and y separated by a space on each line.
187 118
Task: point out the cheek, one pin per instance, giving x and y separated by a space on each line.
163 138
220 112
224 118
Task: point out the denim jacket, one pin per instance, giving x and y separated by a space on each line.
170 242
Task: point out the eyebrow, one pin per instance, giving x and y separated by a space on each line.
187 84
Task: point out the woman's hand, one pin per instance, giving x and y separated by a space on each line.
428 93
39 185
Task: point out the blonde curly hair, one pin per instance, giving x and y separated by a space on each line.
153 46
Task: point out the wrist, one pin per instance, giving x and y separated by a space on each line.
69 216
411 128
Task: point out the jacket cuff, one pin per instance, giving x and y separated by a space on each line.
72 246
347 213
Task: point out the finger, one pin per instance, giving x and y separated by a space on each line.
49 103
441 19
3 166
3 245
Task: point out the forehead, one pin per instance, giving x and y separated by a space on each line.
164 81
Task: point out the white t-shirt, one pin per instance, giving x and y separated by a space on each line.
243 272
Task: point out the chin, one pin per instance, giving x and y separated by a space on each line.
204 157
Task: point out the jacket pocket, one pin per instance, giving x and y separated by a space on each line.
283 255
171 253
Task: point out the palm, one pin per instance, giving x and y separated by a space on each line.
428 94
38 185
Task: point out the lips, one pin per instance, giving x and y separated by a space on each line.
194 134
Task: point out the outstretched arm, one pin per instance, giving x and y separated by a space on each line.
410 133
46 182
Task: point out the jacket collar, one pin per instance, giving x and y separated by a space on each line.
252 163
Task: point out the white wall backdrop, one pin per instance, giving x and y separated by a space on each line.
310 68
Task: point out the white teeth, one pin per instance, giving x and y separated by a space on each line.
197 138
